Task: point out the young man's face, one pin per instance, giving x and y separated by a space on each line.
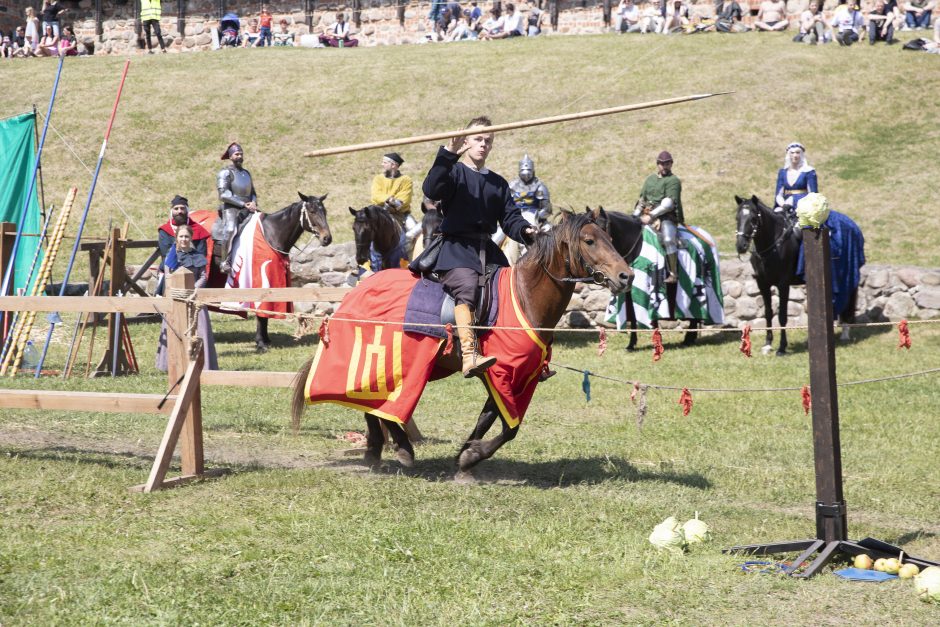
480 144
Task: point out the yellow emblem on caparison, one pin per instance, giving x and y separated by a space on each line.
374 361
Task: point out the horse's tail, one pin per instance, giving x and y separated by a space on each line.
298 395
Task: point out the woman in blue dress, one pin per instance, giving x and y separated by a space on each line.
794 180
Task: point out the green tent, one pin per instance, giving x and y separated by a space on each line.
17 157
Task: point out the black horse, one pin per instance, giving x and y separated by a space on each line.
281 230
775 245
430 221
626 232
377 231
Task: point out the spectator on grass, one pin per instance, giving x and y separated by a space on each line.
6 46
68 45
32 29
49 44
729 17
534 23
772 16
252 37
283 37
337 35
476 18
183 254
462 29
847 23
513 26
19 46
264 20
676 17
445 26
493 26
651 18
150 13
917 14
813 25
881 21
628 17
50 15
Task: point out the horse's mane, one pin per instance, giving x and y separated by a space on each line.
386 218
545 247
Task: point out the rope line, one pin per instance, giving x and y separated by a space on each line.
654 386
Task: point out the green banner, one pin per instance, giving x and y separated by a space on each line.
17 157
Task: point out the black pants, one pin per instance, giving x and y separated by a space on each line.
156 29
461 283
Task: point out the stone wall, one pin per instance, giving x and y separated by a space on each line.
886 292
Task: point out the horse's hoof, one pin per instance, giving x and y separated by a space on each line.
465 477
781 353
630 349
372 459
261 348
470 456
405 458
766 350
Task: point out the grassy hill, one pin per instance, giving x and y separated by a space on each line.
864 114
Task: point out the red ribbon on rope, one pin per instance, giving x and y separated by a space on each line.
685 399
905 335
324 331
636 389
449 346
658 349
807 399
746 340
602 342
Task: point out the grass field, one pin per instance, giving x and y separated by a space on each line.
555 532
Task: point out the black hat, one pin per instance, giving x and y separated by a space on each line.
394 156
178 200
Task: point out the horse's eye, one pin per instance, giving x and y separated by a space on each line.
589 242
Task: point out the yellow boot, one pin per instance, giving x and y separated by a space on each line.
473 363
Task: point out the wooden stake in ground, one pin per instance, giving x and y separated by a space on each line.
555 119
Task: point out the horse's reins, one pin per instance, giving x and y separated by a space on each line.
311 230
597 277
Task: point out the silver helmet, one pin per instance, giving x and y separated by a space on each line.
526 169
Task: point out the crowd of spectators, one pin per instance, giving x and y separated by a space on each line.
449 21
47 38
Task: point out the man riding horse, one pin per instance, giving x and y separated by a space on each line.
530 194
474 200
661 199
237 198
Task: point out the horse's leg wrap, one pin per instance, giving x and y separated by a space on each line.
375 440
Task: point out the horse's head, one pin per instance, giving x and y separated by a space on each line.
600 216
364 231
748 222
578 249
432 219
313 217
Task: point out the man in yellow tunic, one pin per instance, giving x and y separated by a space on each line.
392 189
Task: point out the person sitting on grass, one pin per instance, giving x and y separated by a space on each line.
337 34
534 22
493 27
49 44
917 14
651 18
772 16
847 23
729 17
881 22
252 37
628 17
68 45
812 25
283 37
20 48
677 17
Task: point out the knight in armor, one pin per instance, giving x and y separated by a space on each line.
795 180
530 194
392 189
237 199
661 199
474 201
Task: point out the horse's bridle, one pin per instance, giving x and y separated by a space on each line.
756 222
309 227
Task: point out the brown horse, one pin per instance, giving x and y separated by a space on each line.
545 277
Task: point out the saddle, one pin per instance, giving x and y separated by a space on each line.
429 304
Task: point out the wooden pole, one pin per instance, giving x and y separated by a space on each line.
831 523
556 119
191 453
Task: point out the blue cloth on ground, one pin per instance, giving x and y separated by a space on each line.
847 245
859 574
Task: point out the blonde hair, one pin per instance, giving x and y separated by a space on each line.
30 12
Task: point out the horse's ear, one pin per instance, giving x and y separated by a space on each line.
323 197
352 211
302 197
755 199
738 199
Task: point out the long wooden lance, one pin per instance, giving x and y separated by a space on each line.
555 119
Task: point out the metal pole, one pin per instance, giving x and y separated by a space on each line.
8 275
42 191
81 224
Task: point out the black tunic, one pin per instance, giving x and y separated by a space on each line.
473 204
